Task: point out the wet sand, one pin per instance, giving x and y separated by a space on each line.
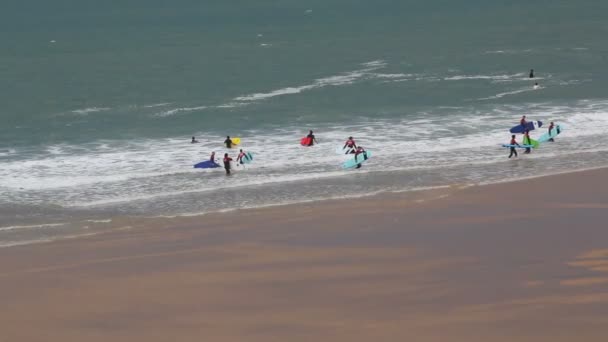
522 261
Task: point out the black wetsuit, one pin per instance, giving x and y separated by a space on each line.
228 143
227 165
513 150
311 140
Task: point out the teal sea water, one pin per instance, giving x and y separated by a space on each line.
98 101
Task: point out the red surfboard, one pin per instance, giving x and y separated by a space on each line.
305 141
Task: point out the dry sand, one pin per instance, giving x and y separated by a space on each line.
524 261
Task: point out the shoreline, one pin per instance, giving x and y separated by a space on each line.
86 226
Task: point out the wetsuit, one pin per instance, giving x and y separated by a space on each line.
240 157
311 139
357 156
227 161
351 146
513 150
550 128
228 143
527 142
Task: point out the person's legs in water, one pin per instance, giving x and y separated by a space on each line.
513 152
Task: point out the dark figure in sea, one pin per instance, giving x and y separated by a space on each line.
531 73
228 142
551 127
360 151
194 141
227 161
311 138
513 143
527 141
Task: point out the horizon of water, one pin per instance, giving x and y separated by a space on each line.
99 102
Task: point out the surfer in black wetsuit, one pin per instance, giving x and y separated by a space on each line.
194 141
527 141
228 142
212 158
513 143
227 161
551 126
311 138
360 151
531 73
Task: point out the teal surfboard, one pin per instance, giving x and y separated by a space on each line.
360 159
554 132
247 158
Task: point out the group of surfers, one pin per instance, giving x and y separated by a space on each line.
526 140
350 147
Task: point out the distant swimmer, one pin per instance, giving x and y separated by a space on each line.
536 86
228 142
513 143
527 141
360 153
227 161
212 158
194 141
531 73
311 138
351 144
551 127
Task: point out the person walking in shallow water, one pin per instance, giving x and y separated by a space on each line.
227 161
513 143
527 141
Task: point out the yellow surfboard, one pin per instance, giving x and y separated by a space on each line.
236 141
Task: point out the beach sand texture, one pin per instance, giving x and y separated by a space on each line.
522 261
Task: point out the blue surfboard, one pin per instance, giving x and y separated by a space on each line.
207 164
517 146
355 160
530 126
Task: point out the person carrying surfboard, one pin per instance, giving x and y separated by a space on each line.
513 143
239 158
228 142
523 121
360 151
311 138
527 141
551 126
352 146
227 161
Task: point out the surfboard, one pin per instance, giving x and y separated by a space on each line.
247 158
554 132
530 126
305 141
236 141
207 164
517 146
531 142
360 159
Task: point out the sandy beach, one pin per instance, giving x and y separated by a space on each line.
521 261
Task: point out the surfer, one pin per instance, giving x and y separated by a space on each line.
194 141
240 157
311 138
360 150
228 142
227 161
513 143
212 158
536 86
352 146
527 141
551 126
531 73
523 122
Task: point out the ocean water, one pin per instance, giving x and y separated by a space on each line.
99 101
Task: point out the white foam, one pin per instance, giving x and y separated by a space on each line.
484 77
34 226
163 104
85 111
508 93
180 110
